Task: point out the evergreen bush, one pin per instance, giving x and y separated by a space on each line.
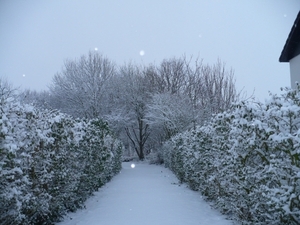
50 163
245 160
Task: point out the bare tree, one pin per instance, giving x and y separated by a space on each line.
210 88
131 96
40 99
172 113
168 77
190 88
7 91
80 87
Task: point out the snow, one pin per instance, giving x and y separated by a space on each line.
145 194
142 52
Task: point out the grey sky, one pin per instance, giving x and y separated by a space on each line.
37 36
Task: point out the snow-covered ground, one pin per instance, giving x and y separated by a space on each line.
145 194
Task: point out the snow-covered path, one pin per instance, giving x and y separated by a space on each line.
146 194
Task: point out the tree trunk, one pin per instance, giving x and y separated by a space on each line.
138 140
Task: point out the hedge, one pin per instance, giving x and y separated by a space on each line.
246 160
50 163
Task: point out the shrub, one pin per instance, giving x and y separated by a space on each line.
245 160
50 163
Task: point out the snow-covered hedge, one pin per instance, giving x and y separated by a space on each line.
50 163
246 160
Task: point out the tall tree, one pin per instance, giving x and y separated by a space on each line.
187 93
79 88
131 95
210 88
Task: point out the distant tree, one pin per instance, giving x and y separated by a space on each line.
131 97
187 94
40 99
210 88
7 91
168 77
79 88
171 113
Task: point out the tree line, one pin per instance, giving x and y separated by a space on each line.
144 105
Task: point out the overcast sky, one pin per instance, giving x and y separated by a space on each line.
248 35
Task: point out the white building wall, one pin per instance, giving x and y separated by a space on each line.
295 71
